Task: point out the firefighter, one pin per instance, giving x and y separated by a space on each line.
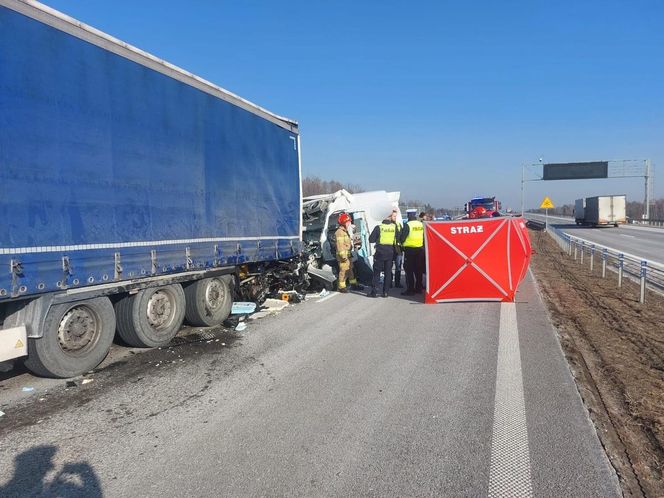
385 236
412 240
344 250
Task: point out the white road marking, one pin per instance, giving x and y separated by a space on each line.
509 474
625 235
329 296
657 230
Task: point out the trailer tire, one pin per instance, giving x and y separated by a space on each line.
209 301
76 338
151 317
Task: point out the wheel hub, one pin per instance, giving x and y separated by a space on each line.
214 295
160 307
78 328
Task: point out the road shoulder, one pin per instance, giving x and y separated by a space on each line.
559 428
614 348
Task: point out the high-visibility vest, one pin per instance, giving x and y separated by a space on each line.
415 236
387 234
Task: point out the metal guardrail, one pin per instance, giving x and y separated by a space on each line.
649 274
651 222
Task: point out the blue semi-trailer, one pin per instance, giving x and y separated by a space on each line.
131 192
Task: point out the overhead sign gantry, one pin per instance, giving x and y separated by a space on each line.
626 168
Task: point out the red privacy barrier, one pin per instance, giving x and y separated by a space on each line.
476 260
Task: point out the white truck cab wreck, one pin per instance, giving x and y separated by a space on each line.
319 214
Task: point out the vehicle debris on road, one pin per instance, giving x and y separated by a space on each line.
291 296
243 308
274 304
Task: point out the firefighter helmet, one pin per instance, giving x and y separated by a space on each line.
343 218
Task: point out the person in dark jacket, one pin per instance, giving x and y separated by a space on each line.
386 237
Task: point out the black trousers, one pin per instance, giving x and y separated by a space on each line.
385 266
398 263
414 268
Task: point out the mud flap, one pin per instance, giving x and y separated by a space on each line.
13 343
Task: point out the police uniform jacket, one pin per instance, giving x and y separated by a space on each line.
405 232
385 250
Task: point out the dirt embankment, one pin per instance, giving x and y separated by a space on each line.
615 348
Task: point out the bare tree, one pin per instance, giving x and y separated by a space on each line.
313 185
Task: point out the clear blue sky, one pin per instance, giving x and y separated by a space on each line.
441 100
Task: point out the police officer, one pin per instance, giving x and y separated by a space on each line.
412 240
385 236
344 248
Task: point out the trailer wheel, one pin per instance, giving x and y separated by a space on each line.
76 338
209 301
151 317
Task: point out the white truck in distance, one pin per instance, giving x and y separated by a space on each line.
601 210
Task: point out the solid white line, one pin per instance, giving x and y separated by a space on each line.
651 229
330 296
569 220
509 474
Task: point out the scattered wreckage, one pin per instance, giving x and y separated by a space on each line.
133 246
316 267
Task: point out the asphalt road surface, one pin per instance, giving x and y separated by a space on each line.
343 396
640 241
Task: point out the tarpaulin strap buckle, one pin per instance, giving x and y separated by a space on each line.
16 268
66 266
188 262
67 271
153 261
118 266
